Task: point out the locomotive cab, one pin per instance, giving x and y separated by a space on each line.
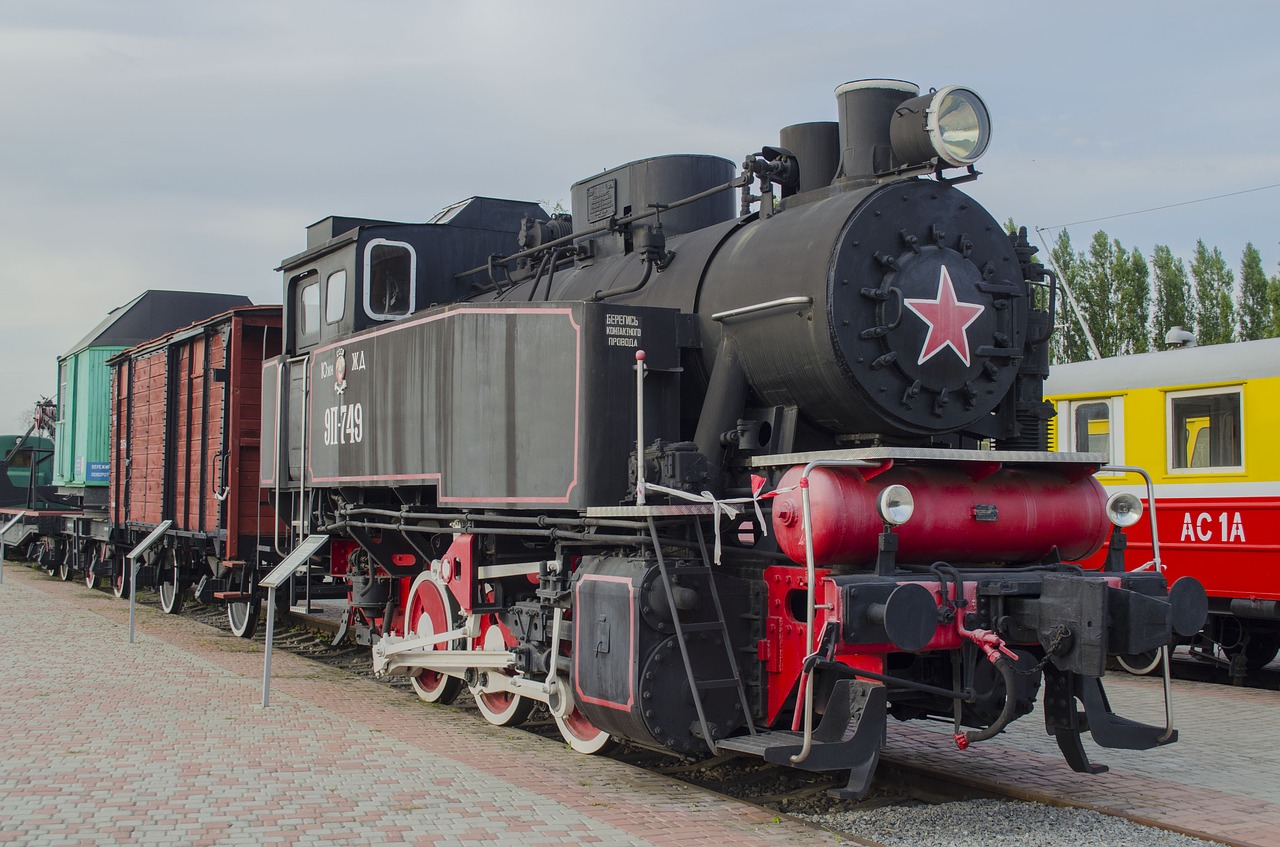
358 273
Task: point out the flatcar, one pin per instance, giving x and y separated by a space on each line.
1199 419
728 459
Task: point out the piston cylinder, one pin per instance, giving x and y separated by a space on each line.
963 515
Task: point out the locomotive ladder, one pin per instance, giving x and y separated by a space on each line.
698 686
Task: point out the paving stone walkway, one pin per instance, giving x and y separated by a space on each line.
165 742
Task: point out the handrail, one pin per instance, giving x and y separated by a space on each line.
281 427
809 569
1165 656
1151 508
761 307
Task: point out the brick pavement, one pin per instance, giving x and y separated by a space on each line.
165 742
1220 780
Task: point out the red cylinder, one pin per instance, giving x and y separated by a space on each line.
963 515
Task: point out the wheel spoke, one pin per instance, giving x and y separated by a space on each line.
430 611
120 577
243 616
500 708
171 594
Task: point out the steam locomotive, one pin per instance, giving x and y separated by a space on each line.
730 459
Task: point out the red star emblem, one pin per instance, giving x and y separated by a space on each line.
948 318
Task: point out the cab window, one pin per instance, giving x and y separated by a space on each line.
309 310
389 271
1205 430
20 459
335 297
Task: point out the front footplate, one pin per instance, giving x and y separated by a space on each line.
848 736
1063 689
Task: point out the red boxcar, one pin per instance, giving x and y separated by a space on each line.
185 445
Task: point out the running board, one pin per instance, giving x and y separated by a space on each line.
849 736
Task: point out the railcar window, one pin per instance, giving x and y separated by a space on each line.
309 313
1095 425
1205 431
64 376
335 297
1093 428
389 268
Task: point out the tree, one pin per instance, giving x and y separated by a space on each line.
1099 293
1132 299
1112 288
1172 295
1115 294
1273 295
1254 307
1069 344
1214 282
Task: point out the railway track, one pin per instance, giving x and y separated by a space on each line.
784 790
1195 669
900 786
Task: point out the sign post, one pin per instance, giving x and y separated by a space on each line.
4 531
294 562
145 545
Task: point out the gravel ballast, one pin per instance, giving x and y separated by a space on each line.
993 823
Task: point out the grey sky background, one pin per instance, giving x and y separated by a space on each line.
187 145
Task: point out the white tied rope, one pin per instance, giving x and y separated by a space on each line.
720 508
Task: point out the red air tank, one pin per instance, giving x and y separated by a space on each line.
980 513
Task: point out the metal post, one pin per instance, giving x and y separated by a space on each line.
134 555
133 590
3 532
281 573
271 628
639 427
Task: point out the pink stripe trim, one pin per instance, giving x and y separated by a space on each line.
577 407
631 646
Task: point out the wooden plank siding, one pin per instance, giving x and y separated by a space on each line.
186 420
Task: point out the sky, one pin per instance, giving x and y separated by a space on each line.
175 145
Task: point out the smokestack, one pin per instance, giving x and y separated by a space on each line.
866 110
816 146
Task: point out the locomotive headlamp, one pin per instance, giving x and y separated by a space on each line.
895 505
951 124
1124 509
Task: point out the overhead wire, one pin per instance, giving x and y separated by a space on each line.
1074 305
1159 208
